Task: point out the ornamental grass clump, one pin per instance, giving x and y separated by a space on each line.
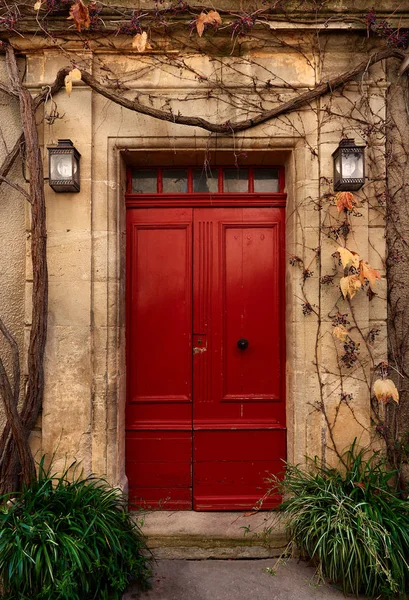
351 522
69 538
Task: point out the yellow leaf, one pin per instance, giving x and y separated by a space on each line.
348 259
68 84
385 389
139 41
340 333
37 5
368 272
350 285
75 74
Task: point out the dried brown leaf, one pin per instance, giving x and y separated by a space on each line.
345 201
68 84
140 41
340 333
350 285
368 272
211 18
200 23
348 258
80 15
385 389
214 18
75 74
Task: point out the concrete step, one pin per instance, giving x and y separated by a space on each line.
201 535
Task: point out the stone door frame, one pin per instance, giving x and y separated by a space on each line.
108 292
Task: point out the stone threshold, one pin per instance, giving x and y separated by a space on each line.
204 535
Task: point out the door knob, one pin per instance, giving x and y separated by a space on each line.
242 344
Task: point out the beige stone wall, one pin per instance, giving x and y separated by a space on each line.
83 416
12 231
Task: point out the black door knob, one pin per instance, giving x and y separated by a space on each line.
242 344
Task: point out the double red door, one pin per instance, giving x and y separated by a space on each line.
205 418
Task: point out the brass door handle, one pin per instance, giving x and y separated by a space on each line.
199 350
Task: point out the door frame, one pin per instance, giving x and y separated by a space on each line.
191 199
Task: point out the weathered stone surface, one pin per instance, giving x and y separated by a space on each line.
84 404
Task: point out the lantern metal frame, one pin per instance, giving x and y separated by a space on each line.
65 147
342 182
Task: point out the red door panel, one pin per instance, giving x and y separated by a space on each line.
159 355
231 430
231 468
237 296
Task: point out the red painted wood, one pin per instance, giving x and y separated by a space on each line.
238 293
159 351
164 498
242 445
159 468
237 259
276 200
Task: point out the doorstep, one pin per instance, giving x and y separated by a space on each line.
202 535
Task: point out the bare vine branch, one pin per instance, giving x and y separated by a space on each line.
231 127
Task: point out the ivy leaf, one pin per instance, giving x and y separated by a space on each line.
214 18
350 285
348 258
73 75
385 389
80 15
340 333
211 18
345 201
368 272
68 84
140 42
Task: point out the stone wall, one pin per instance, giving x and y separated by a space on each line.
12 233
83 415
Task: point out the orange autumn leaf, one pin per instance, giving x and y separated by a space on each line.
80 15
211 18
345 201
368 272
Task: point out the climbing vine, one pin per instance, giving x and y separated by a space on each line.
165 37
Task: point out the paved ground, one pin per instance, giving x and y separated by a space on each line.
233 580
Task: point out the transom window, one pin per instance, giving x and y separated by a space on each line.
215 180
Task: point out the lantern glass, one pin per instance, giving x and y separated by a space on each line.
64 167
349 168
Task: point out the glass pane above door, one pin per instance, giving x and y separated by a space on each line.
266 180
205 180
144 181
174 181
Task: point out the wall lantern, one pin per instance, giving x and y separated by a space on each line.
64 167
349 167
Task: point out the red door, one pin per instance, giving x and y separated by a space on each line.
205 341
